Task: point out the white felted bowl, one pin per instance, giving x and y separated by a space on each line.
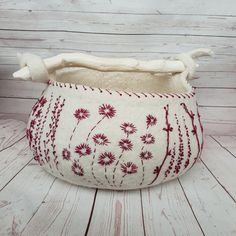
115 129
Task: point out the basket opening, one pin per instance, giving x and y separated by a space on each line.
124 81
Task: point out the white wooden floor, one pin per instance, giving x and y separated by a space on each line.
34 203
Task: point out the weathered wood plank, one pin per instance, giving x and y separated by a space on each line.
212 206
44 43
16 105
210 7
117 213
22 197
117 23
218 120
227 142
12 160
216 97
10 132
65 211
16 116
222 165
166 211
215 79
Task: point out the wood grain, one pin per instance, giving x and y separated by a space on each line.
11 132
218 160
227 142
117 213
64 212
23 195
167 204
205 196
13 160
98 23
202 7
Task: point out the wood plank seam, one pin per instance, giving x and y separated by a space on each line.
123 13
39 205
223 146
13 143
191 207
106 33
218 181
91 213
141 201
15 175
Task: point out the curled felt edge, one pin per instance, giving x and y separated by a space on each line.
37 69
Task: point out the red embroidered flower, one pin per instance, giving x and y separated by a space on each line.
146 155
107 110
42 101
148 139
81 114
77 169
100 139
106 158
128 128
151 120
83 149
125 144
66 154
129 168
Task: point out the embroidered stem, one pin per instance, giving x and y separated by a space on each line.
180 158
194 130
73 132
122 180
167 129
92 166
106 176
95 127
186 164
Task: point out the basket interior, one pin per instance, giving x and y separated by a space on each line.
124 81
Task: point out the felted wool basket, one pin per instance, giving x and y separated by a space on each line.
114 123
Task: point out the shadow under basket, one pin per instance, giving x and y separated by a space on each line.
122 128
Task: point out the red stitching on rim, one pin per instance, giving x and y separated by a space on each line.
136 94
108 91
128 93
119 93
152 95
164 95
145 95
159 95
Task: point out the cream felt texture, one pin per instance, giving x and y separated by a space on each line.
128 109
117 129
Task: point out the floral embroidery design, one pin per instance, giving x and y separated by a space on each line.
125 144
83 149
168 129
106 111
128 169
105 159
147 139
77 169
